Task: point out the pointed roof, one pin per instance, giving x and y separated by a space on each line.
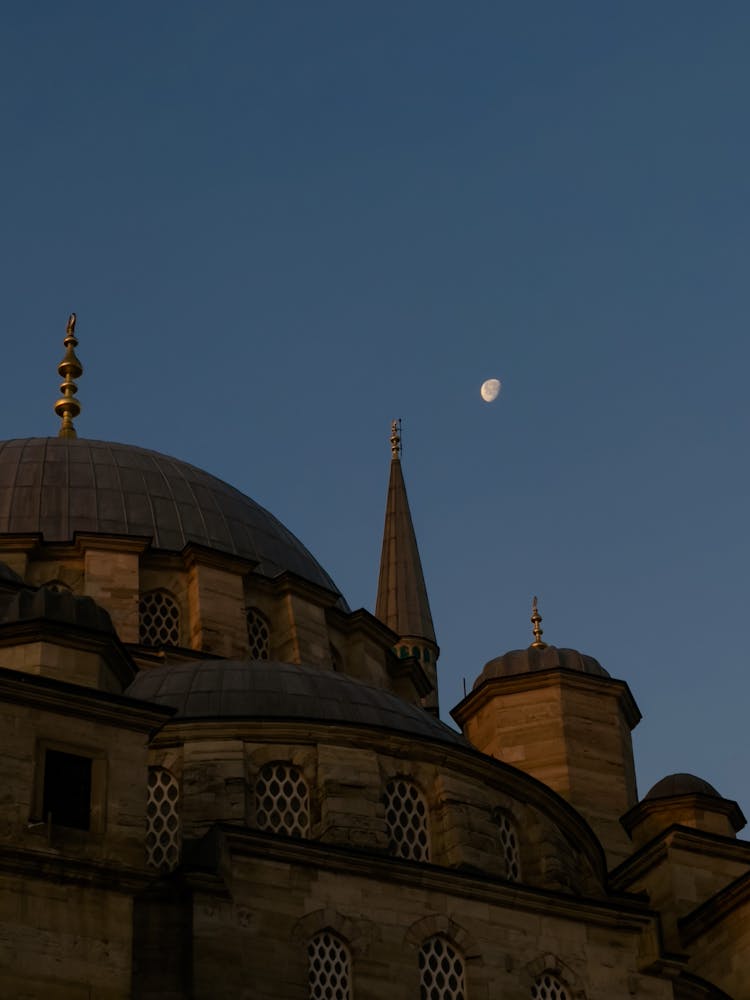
402 602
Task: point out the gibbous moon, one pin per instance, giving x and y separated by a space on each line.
490 389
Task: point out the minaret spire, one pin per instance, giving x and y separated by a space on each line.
536 621
69 369
402 602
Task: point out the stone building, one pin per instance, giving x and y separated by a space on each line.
219 781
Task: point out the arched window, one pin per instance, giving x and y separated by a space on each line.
258 634
441 971
159 619
548 987
162 819
406 816
509 843
329 967
282 801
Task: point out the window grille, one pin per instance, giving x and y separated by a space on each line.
441 971
258 634
282 802
509 844
159 619
548 987
406 816
162 819
329 968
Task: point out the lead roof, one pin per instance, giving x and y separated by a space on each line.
402 602
58 487
263 689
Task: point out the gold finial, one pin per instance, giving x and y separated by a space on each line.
536 621
396 438
69 369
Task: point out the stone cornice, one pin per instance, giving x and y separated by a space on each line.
194 554
630 915
98 541
707 803
465 760
82 702
716 909
20 542
51 866
538 679
683 838
290 583
362 621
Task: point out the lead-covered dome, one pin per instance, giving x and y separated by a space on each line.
57 487
266 690
536 658
681 784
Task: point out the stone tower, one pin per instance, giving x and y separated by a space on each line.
559 716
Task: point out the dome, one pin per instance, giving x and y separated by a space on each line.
57 487
60 606
534 658
681 784
263 689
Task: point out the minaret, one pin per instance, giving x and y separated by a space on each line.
402 602
69 369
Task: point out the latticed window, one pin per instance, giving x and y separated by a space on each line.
159 619
258 634
282 802
406 816
162 819
441 971
509 844
329 968
548 987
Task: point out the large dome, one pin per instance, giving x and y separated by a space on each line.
57 487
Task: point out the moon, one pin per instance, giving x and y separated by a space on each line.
490 389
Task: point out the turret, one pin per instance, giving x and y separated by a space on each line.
559 716
402 602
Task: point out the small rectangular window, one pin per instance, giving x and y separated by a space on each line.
66 798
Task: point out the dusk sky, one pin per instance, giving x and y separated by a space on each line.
283 224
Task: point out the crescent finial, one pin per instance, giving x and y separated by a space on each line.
536 621
69 369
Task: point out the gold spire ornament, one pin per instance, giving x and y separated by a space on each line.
69 369
536 621
396 438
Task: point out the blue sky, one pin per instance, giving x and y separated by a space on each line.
284 224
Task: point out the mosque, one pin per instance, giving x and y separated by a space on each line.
221 782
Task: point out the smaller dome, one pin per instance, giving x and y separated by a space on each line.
267 690
54 605
535 658
681 784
